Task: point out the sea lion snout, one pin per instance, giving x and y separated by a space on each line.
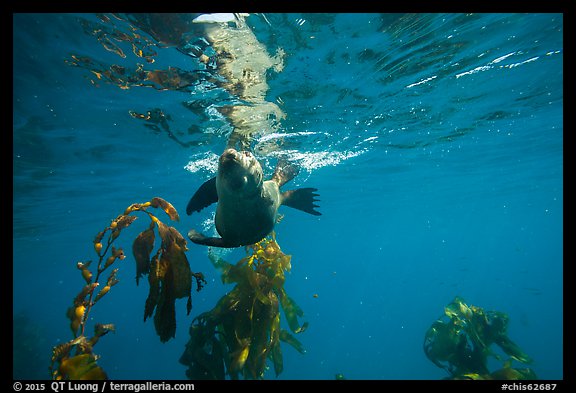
232 156
239 171
229 154
230 160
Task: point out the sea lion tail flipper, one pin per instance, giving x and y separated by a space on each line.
204 197
285 171
301 199
199 238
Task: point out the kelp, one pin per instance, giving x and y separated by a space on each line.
242 332
461 340
168 272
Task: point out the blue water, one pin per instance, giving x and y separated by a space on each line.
435 141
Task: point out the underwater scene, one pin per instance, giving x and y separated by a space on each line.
287 196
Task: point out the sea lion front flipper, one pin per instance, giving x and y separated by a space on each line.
204 197
301 199
285 171
199 238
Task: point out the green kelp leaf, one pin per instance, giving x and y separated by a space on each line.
274 351
275 324
247 319
239 273
141 248
278 280
81 367
240 356
452 310
166 206
498 323
277 360
290 339
514 374
441 342
241 320
259 350
291 311
513 350
225 307
527 373
262 335
256 281
203 354
302 328
216 361
472 376
208 365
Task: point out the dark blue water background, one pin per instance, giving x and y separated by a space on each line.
435 142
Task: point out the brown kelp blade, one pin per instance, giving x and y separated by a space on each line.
166 206
141 249
154 282
165 317
124 221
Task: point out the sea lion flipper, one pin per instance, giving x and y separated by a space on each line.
301 199
285 171
198 238
203 197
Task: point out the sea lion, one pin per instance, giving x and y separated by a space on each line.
247 205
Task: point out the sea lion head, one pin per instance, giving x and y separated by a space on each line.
239 172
